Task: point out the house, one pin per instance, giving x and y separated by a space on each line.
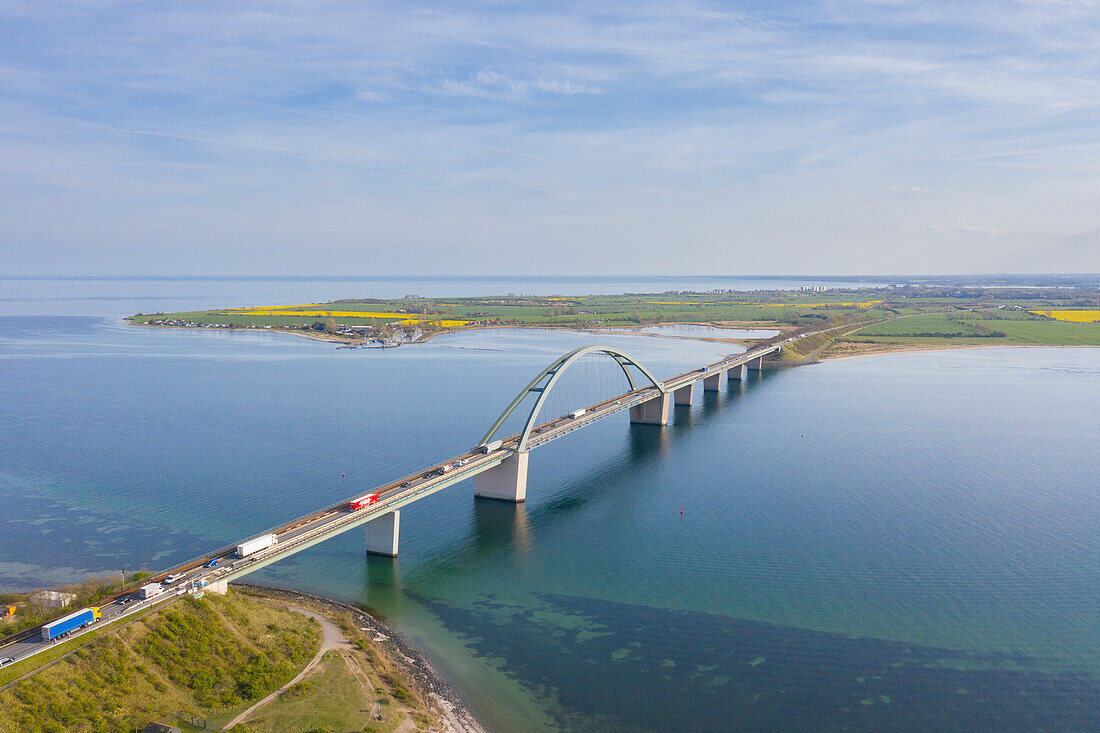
52 599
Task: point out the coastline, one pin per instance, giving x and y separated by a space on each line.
829 353
916 348
453 711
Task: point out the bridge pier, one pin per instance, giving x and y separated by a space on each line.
220 587
712 384
652 412
382 534
684 395
738 372
756 364
507 482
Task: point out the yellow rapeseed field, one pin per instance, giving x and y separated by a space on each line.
407 319
1072 316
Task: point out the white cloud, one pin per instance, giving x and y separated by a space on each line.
814 138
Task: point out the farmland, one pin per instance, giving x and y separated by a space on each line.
900 316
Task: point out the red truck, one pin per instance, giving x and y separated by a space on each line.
362 501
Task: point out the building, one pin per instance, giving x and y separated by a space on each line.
52 599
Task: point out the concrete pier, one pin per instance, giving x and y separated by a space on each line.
507 482
653 412
382 534
712 384
684 395
219 587
756 364
738 372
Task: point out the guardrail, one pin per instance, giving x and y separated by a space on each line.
626 400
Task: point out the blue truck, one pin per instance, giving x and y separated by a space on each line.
65 624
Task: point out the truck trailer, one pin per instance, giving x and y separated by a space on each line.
362 501
65 624
150 590
256 544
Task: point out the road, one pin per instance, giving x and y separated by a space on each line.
194 576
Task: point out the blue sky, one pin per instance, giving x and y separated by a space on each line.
549 138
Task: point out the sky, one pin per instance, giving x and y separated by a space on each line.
506 138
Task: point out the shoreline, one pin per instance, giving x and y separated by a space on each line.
747 343
452 708
917 348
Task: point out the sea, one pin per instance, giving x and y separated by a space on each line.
907 542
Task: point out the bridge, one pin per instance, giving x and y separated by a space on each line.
498 467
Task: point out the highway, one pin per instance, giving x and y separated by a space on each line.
295 536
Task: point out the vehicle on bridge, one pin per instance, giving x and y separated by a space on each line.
490 447
73 621
150 590
256 544
362 501
577 413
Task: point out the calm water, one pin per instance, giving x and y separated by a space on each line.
908 542
692 330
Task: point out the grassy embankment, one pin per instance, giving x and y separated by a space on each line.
207 660
197 657
350 689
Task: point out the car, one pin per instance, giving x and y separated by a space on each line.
124 601
172 578
213 562
6 661
407 484
702 369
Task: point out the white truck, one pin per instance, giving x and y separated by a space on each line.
150 590
256 544
490 447
577 413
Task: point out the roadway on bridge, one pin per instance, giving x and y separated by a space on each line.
312 529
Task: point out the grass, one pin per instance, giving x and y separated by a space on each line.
338 700
935 326
22 667
197 656
970 330
590 311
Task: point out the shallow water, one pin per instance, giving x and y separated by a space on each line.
906 542
692 330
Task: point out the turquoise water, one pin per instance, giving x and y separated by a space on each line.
906 542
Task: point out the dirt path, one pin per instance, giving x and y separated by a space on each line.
333 639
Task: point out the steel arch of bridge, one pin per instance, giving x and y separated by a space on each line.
553 372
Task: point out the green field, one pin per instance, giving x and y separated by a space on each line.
766 308
895 316
970 328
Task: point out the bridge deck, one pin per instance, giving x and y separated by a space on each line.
304 532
